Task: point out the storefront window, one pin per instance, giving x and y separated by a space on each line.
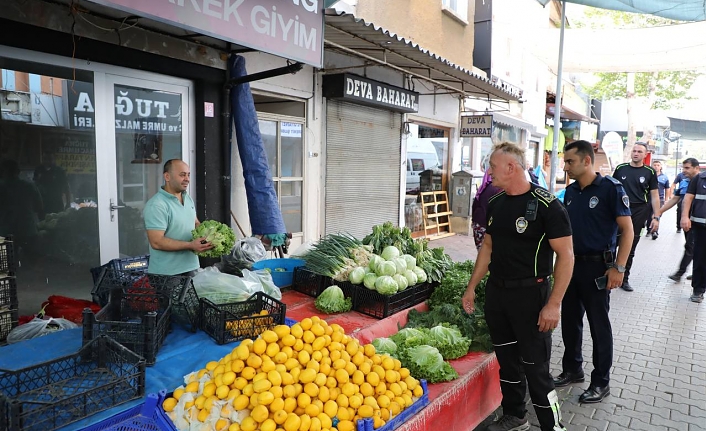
284 145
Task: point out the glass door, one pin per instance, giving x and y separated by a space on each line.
148 126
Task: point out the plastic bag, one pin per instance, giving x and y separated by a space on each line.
38 327
265 279
245 252
303 249
221 288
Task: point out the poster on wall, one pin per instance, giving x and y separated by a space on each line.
76 155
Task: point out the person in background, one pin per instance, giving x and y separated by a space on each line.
21 207
53 184
664 194
479 220
527 225
639 181
677 180
693 218
598 208
170 216
690 169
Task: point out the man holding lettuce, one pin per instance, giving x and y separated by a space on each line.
526 226
170 216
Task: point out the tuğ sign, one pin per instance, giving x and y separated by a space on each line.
364 91
477 126
291 29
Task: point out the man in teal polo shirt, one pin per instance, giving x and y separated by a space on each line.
170 216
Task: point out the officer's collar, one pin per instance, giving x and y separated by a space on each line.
596 181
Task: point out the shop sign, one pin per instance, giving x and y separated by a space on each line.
477 126
136 109
288 28
364 91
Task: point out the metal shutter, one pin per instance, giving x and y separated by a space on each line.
362 167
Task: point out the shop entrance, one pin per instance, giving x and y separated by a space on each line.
81 151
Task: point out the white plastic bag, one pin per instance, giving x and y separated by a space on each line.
38 327
220 288
265 279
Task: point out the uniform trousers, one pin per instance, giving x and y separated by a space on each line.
522 351
581 297
688 253
698 279
639 216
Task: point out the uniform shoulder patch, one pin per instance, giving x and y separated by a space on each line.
544 194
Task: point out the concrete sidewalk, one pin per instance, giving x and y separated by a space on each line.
658 380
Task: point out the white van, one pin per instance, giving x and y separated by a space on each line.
421 155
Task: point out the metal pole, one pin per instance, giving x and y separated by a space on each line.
557 102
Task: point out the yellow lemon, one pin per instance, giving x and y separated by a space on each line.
383 401
169 404
318 344
395 408
303 400
369 350
248 373
178 393
324 394
235 426
203 415
268 425
241 402
265 398
342 400
358 377
308 337
261 385
242 352
269 336
254 360
418 391
311 389
211 365
365 411
326 421
345 425
292 423
312 410
280 416
267 366
350 368
280 358
373 379
237 365
315 424
307 376
290 404
259 346
272 350
318 330
260 413
342 376
192 387
248 424
228 378
297 331
388 363
222 424
306 323
281 330
355 401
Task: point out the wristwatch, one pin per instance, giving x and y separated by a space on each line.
620 268
655 218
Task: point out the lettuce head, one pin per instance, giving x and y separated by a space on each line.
220 235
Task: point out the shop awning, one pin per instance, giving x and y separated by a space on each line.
683 10
688 129
569 114
350 35
509 120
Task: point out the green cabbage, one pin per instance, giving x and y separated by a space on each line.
385 346
386 268
375 261
390 252
369 280
220 235
401 282
356 276
386 285
421 275
449 340
425 362
411 277
409 337
400 265
332 300
411 261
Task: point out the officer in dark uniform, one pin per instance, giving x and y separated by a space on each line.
693 218
526 226
598 207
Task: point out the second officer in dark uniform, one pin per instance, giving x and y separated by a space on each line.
598 208
526 226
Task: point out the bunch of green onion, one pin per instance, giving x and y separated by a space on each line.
336 255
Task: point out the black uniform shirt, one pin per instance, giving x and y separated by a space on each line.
637 181
592 212
521 247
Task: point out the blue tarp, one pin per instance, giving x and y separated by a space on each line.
683 10
263 207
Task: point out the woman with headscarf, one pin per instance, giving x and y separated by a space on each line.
479 221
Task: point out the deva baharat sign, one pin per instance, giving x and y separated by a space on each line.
477 126
291 29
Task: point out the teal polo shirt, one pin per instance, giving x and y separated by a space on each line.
164 212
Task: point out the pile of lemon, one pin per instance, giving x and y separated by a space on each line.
310 377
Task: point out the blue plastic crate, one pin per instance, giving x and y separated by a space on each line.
397 421
147 416
280 278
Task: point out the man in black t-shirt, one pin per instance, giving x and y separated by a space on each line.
640 183
526 226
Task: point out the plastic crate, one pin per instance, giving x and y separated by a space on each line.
133 264
236 321
8 292
309 283
280 278
8 321
179 288
374 304
50 395
402 417
148 416
7 255
139 320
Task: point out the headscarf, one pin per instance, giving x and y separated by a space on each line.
487 179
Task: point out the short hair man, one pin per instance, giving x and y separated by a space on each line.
639 181
693 218
664 194
526 226
598 208
170 216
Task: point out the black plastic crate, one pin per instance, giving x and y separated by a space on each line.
237 321
8 292
132 264
377 305
309 283
180 289
50 395
8 321
139 320
7 255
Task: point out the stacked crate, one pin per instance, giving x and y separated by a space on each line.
8 288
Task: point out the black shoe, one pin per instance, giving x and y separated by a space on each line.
654 235
564 379
688 277
626 286
678 230
594 394
676 277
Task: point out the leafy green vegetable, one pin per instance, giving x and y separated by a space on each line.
409 337
356 276
411 277
385 345
336 256
449 340
386 268
425 362
369 280
471 326
390 252
220 235
420 274
388 234
386 285
411 261
401 281
453 285
332 300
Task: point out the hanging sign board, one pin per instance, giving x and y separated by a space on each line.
291 29
477 126
364 91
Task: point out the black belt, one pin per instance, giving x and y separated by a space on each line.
521 282
589 257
